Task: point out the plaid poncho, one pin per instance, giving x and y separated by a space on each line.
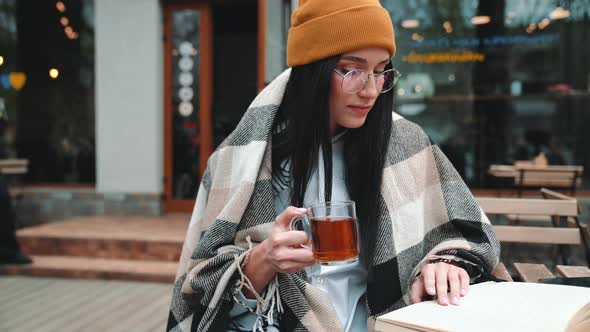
425 211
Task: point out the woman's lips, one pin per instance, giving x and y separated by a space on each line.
361 109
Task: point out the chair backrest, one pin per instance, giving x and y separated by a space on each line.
553 176
532 206
583 228
528 206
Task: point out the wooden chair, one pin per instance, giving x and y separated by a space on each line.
535 272
571 222
566 178
531 234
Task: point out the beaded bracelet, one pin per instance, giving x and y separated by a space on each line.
442 260
471 269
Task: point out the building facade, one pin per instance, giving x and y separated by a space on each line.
123 101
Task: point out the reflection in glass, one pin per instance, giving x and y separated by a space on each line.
185 103
499 90
47 85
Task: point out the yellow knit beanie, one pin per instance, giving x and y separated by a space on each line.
323 28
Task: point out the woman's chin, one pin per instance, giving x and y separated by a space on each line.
353 123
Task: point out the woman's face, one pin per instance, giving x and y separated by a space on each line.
349 110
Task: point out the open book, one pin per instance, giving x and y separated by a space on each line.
505 306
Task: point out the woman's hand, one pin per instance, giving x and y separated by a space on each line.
438 279
280 252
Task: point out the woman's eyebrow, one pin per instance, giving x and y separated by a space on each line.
354 58
361 60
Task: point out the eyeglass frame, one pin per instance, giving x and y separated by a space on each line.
393 70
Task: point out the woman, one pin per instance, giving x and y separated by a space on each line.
323 131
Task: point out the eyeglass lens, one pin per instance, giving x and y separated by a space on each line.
355 80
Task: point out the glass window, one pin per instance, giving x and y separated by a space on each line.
496 81
47 88
186 70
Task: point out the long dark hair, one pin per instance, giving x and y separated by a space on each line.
302 126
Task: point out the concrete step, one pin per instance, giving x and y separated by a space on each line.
127 238
95 268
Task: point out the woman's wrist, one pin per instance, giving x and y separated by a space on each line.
258 269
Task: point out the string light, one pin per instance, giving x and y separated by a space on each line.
60 6
479 20
543 24
53 73
532 27
410 24
1 60
559 14
448 26
65 21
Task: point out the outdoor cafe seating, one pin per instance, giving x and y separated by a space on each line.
528 175
563 230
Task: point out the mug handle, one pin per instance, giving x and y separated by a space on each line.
301 223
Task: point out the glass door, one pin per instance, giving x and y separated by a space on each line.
187 101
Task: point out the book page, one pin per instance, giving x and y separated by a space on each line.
581 321
493 307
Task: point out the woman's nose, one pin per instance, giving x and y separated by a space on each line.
371 88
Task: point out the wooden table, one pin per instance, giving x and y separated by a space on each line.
14 166
503 171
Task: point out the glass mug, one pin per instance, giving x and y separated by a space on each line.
332 230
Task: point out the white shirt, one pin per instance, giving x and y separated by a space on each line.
345 285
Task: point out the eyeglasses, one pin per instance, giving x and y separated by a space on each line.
355 80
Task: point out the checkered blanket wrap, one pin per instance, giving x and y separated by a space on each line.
425 211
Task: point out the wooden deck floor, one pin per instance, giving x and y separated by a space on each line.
48 304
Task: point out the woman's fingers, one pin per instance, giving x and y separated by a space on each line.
448 282
301 255
285 251
454 285
290 260
441 276
289 238
464 277
429 279
284 219
304 256
417 292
